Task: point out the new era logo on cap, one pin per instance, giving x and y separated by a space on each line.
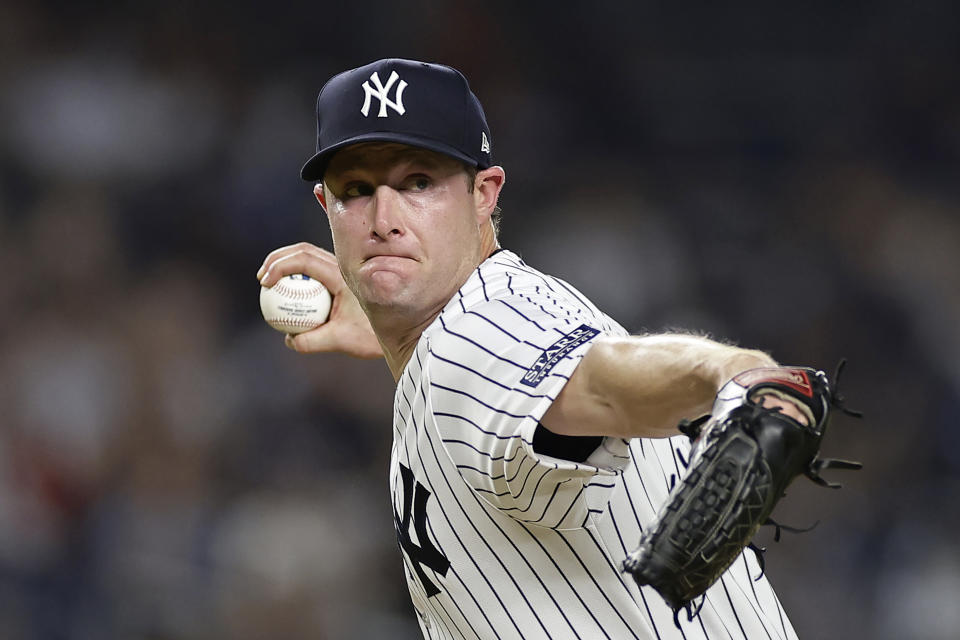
420 104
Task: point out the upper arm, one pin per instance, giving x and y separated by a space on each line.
489 388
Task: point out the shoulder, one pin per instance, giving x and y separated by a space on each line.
505 281
510 313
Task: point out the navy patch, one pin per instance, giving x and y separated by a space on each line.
553 354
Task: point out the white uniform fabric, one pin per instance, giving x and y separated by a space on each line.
499 541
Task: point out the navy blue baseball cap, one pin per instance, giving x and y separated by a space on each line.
421 104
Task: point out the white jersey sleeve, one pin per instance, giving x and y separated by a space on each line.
494 369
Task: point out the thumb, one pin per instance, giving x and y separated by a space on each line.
318 340
355 340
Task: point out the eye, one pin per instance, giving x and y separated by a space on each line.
417 183
357 190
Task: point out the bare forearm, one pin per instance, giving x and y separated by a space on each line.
643 386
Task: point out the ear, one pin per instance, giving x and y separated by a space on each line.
486 191
321 197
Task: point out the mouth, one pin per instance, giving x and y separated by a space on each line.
383 257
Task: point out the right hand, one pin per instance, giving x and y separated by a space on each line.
347 330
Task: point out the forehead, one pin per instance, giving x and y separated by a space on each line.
385 155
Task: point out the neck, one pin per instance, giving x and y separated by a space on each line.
398 338
398 334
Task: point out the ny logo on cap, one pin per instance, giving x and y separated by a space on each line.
380 93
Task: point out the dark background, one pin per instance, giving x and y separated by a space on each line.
779 176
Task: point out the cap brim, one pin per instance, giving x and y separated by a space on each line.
316 166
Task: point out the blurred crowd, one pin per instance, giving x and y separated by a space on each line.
783 178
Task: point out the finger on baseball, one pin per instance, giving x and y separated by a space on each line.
274 255
319 267
283 252
316 263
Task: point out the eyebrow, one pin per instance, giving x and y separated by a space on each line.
425 157
356 172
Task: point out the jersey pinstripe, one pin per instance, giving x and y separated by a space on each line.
500 541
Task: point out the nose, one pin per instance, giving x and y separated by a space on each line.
387 214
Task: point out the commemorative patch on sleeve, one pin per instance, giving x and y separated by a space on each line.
556 352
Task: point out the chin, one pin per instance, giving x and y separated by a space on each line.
379 296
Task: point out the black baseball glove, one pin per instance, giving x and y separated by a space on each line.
743 458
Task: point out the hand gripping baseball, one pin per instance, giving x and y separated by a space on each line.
743 458
347 330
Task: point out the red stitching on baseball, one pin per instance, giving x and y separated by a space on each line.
293 322
312 292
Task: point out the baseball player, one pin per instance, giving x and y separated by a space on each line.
534 440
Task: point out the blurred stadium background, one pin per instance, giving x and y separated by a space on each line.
781 176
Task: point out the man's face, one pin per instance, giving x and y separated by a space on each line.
405 226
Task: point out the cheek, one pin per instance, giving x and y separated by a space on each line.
336 210
344 222
457 240
343 235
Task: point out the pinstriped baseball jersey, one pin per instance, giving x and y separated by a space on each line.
502 541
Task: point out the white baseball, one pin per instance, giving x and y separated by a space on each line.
296 303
